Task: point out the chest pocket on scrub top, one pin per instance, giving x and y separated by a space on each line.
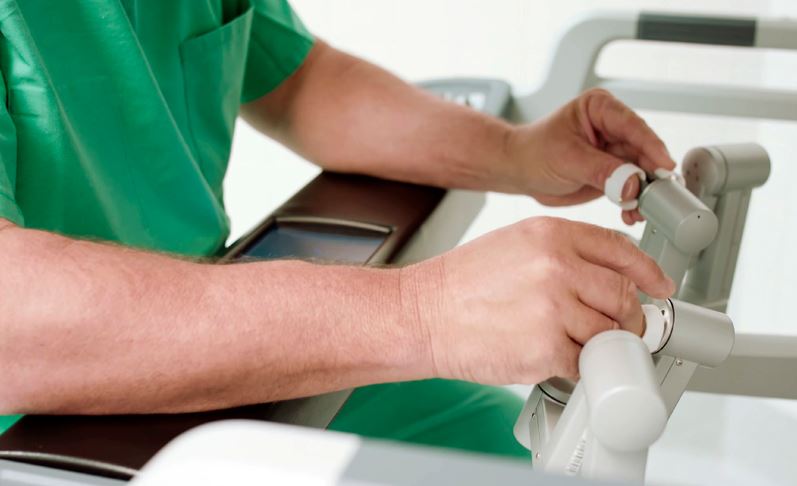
213 70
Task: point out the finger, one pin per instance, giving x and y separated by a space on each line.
621 150
632 185
627 152
620 123
610 249
617 123
598 167
630 188
583 195
602 165
630 153
612 295
585 322
630 217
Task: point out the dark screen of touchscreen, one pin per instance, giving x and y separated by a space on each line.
317 242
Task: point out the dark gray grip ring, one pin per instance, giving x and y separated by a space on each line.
723 31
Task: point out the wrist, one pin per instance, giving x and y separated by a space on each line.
421 307
515 161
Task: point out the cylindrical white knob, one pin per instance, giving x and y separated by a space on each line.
655 327
626 410
613 187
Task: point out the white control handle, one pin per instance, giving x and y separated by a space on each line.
626 410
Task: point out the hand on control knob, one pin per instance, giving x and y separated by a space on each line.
517 304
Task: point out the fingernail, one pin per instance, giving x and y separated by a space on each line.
666 155
630 188
671 285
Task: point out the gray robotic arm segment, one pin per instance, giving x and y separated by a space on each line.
717 170
679 226
680 217
699 335
723 177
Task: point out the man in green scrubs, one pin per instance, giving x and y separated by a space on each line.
114 141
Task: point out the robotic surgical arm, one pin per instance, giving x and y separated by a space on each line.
603 426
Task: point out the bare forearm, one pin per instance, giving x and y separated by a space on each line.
351 116
94 328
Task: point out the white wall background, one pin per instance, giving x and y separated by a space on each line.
711 439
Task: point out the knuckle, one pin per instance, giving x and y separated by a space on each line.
616 238
626 297
548 232
553 266
646 263
595 100
632 117
544 225
549 309
627 252
598 93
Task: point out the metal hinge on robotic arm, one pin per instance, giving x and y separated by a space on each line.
603 426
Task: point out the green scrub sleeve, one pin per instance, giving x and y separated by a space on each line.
7 421
278 45
8 163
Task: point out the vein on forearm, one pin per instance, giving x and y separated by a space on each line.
97 328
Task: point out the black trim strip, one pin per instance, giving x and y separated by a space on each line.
723 31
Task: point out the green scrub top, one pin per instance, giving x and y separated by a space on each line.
119 114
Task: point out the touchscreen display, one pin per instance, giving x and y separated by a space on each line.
318 242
